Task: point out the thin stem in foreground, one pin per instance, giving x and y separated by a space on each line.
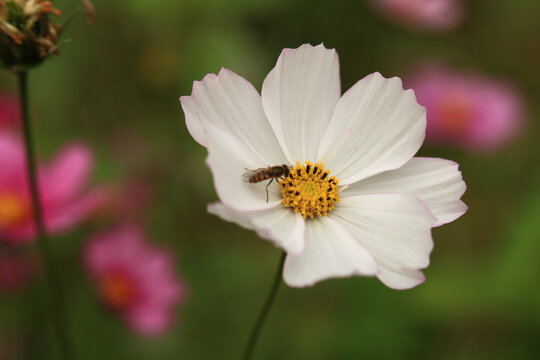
265 310
55 294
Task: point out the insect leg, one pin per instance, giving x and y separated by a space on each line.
267 185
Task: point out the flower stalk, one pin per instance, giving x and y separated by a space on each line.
50 275
250 347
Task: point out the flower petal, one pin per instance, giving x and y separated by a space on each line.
228 158
400 279
387 127
58 219
437 182
66 216
330 251
149 321
281 226
394 228
11 159
228 214
232 104
299 97
65 177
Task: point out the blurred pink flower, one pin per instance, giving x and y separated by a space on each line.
467 110
423 14
61 185
17 269
134 279
10 113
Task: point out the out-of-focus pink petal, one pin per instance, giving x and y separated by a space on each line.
422 14
500 117
467 110
149 322
57 219
102 253
63 202
74 212
10 111
154 290
11 159
67 173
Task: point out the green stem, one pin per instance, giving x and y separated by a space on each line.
265 310
53 286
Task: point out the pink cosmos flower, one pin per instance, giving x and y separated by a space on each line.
467 110
10 113
134 279
61 185
423 14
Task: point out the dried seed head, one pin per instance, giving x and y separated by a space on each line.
27 35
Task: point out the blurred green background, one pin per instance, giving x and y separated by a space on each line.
116 86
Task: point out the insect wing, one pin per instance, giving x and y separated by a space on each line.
247 175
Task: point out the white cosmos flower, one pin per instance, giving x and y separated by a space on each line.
378 220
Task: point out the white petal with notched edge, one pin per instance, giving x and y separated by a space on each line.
394 228
228 159
281 226
330 251
299 97
400 279
387 127
232 104
230 215
437 182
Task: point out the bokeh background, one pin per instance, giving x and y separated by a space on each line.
116 87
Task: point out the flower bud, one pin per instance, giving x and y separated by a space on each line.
27 35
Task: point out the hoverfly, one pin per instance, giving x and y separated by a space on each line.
270 172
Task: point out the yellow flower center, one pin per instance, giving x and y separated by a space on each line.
12 209
310 190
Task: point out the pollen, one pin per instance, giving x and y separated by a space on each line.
309 190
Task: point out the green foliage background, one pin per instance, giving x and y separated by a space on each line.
116 86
